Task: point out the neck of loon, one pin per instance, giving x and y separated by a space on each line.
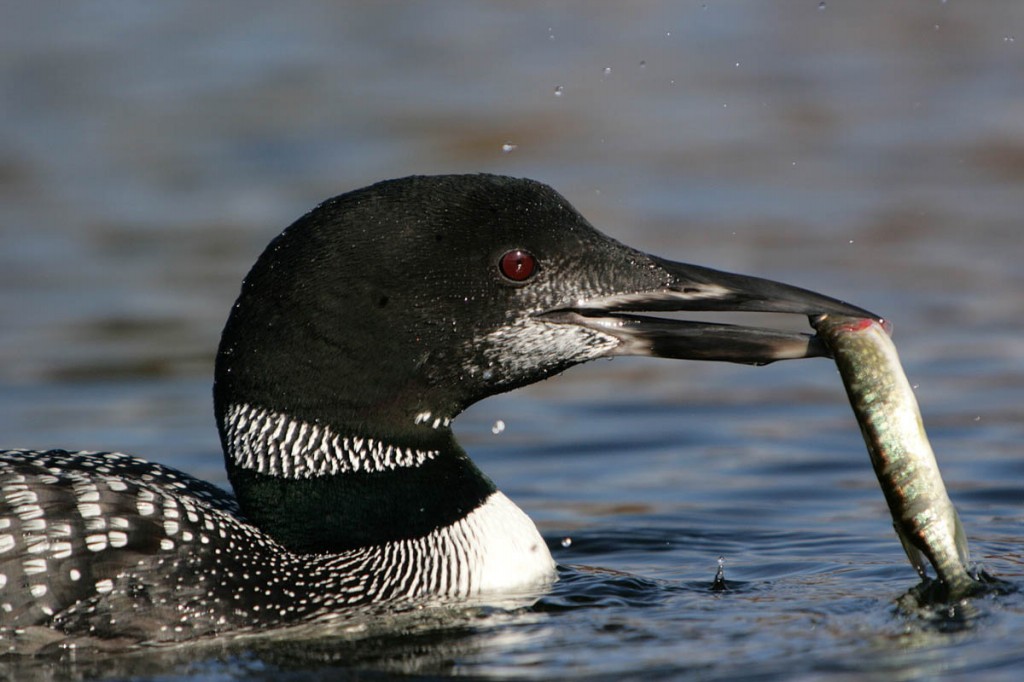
318 487
333 444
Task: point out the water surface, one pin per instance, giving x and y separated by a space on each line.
873 151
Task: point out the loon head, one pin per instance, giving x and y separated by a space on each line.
384 312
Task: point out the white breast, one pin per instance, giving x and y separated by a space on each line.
503 549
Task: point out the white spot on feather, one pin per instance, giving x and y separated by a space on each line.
97 542
89 510
34 566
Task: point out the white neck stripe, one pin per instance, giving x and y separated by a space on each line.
275 444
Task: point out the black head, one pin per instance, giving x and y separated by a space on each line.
402 303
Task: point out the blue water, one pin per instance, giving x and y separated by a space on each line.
873 151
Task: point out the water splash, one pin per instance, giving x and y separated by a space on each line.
719 584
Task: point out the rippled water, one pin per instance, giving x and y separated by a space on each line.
873 151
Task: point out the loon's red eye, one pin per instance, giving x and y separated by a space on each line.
518 265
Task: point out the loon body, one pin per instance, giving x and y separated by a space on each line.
360 333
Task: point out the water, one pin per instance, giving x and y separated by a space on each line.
149 152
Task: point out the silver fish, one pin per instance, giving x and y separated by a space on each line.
890 421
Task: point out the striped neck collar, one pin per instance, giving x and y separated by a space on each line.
276 444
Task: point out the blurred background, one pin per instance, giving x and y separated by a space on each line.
873 151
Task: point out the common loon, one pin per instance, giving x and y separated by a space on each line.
362 330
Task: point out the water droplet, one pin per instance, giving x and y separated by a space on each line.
558 91
498 427
607 70
737 65
643 63
566 542
821 6
1009 39
508 147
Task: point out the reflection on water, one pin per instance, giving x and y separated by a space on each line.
872 151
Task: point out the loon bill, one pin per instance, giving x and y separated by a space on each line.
360 333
